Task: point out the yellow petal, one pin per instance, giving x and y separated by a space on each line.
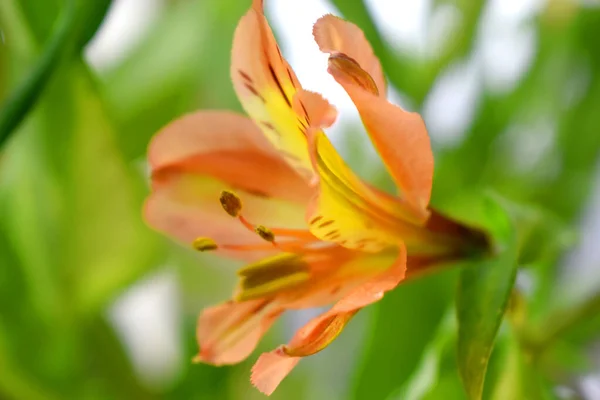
346 210
351 213
271 276
265 85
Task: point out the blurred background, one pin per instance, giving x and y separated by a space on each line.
95 305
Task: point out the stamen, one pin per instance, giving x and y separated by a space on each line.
265 233
204 244
231 203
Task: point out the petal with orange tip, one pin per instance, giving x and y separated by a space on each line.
399 136
271 368
265 85
229 332
335 35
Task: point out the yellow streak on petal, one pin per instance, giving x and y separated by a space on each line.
270 276
321 335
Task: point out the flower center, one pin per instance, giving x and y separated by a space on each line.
299 241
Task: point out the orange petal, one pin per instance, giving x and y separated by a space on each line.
227 145
400 137
229 332
270 369
318 333
265 85
335 35
196 157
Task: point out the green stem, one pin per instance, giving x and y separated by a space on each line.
18 103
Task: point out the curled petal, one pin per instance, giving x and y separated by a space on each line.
229 332
335 35
318 333
265 85
399 136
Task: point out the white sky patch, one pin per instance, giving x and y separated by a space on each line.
443 24
293 22
502 11
147 318
402 23
507 42
450 106
530 144
124 27
581 272
506 56
590 386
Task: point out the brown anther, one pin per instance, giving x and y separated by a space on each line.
231 203
204 244
265 233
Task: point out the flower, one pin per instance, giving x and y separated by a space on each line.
272 190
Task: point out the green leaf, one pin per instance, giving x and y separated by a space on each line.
178 68
428 373
405 322
110 245
518 377
483 292
16 106
76 25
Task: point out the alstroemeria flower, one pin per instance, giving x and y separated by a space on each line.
272 190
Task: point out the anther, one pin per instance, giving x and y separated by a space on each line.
265 233
231 203
204 244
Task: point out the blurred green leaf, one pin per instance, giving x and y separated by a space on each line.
405 322
107 207
519 376
16 106
483 292
76 25
168 75
427 375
